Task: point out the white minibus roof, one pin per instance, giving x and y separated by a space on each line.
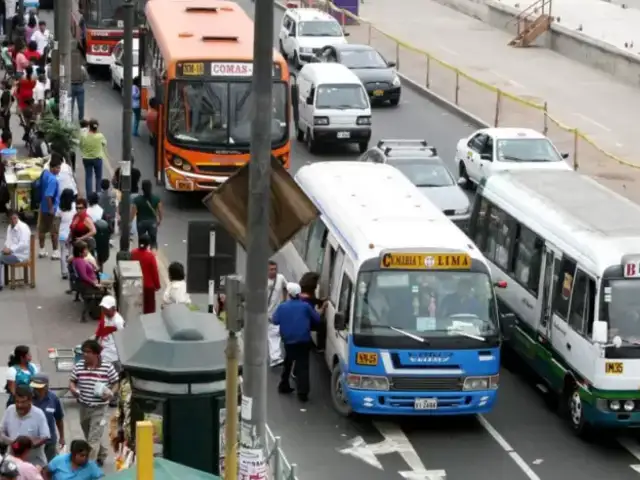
329 73
371 207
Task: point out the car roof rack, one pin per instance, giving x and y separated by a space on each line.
388 145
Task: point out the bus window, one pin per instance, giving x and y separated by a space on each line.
344 302
315 257
436 303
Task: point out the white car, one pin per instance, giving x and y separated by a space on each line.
492 150
305 32
117 68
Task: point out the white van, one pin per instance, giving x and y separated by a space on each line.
116 66
333 107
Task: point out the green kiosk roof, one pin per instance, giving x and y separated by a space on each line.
165 470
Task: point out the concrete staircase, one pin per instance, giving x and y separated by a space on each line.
532 22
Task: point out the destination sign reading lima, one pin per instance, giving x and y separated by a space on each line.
220 69
425 261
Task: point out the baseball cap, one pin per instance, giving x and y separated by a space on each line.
108 302
39 380
293 289
8 468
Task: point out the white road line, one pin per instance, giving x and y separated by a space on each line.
633 448
507 79
592 121
508 448
449 51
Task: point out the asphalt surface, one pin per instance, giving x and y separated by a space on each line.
521 439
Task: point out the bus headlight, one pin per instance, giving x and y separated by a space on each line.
367 382
321 120
363 121
614 405
181 163
396 81
629 405
481 383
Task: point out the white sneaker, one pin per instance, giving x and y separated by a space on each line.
55 255
43 253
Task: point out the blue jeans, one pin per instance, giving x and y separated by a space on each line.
137 113
77 96
92 169
150 227
6 260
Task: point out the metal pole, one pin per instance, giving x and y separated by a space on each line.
258 250
64 58
233 290
212 271
127 113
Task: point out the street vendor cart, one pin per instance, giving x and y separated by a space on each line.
19 176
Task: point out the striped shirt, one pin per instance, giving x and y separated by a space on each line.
86 380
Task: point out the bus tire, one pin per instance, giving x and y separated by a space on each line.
312 145
282 52
574 409
299 134
338 397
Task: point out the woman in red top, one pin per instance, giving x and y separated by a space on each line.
26 84
82 227
150 275
32 52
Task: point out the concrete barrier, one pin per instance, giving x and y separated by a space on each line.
620 64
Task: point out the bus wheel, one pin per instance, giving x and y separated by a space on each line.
338 393
575 410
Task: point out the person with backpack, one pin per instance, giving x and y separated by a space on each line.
147 210
20 370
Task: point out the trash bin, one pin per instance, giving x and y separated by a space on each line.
174 363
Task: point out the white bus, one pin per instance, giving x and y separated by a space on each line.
570 249
412 326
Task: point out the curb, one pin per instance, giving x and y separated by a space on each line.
424 92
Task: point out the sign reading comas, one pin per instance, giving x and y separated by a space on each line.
425 261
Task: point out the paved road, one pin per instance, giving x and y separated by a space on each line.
522 429
592 101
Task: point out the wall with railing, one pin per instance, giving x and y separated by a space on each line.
279 466
494 106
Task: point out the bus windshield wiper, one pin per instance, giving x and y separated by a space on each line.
462 333
402 332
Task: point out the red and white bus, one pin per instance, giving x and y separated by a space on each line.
98 25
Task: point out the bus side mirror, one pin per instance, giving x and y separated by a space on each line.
310 100
339 322
600 332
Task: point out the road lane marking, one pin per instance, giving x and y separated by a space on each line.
633 448
592 121
508 448
507 79
358 448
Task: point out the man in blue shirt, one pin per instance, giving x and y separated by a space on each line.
295 318
462 302
48 207
49 403
74 465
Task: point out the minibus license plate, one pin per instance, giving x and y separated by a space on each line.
426 403
378 93
344 134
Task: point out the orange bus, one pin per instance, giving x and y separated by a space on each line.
98 25
198 70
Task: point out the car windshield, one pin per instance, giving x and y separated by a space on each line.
320 28
341 97
622 307
527 150
366 58
219 114
425 174
426 304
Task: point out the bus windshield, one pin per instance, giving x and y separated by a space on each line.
219 114
110 13
622 310
426 304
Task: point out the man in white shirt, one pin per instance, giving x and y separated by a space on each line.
66 179
276 294
110 322
95 211
38 92
17 246
41 36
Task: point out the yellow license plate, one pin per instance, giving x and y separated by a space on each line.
614 368
367 358
378 93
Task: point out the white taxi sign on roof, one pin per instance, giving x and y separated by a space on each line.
632 268
231 69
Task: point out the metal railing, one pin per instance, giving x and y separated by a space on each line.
537 8
495 106
279 466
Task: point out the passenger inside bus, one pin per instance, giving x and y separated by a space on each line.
424 302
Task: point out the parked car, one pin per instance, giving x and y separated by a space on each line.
420 163
117 58
492 150
378 76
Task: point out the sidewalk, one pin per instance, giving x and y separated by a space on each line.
578 96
